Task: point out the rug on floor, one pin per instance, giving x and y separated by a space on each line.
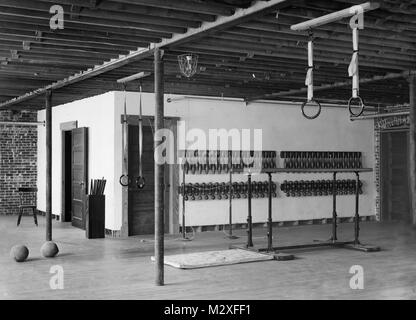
214 258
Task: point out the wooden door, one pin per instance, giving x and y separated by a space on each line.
395 176
141 202
79 175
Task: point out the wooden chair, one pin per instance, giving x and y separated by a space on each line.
27 201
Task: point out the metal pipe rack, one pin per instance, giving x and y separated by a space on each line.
333 241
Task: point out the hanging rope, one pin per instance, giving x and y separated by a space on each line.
309 81
124 178
353 71
140 181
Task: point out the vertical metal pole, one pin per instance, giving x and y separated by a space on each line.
357 216
159 169
269 220
183 205
412 146
48 116
230 195
334 208
249 218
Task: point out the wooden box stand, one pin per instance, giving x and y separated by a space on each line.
95 217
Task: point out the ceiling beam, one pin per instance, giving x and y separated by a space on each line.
335 16
241 15
388 76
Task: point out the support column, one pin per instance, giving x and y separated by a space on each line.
334 208
412 145
249 217
357 209
48 118
49 249
269 218
159 169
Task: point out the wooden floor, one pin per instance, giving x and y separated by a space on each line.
121 268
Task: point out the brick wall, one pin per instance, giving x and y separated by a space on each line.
17 158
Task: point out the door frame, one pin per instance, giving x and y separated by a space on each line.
65 127
171 172
84 183
382 178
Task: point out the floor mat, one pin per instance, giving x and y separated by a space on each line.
214 258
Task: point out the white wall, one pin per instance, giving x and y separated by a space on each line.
96 113
284 128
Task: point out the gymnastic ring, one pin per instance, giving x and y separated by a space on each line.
123 178
362 106
315 115
140 182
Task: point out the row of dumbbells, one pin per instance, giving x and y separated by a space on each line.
319 187
219 191
321 159
209 161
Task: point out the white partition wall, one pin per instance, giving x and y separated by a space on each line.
283 128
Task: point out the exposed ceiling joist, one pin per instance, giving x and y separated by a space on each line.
240 15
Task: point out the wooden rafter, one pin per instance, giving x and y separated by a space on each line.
239 16
228 56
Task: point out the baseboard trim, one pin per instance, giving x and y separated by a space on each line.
240 226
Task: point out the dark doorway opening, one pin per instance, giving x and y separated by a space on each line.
395 190
67 176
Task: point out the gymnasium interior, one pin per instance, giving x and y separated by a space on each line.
207 150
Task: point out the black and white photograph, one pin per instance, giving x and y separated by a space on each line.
207 156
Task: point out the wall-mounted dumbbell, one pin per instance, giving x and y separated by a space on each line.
254 189
201 155
260 189
321 159
274 190
224 190
190 191
194 162
224 161
196 192
236 193
319 187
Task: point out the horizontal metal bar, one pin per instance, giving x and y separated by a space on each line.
243 100
180 98
380 115
136 76
388 76
22 123
335 16
309 245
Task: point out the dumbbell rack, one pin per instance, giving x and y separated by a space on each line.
230 199
230 171
333 241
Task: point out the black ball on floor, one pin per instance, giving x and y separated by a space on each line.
19 253
49 249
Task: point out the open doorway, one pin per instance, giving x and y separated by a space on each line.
74 154
395 190
67 176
